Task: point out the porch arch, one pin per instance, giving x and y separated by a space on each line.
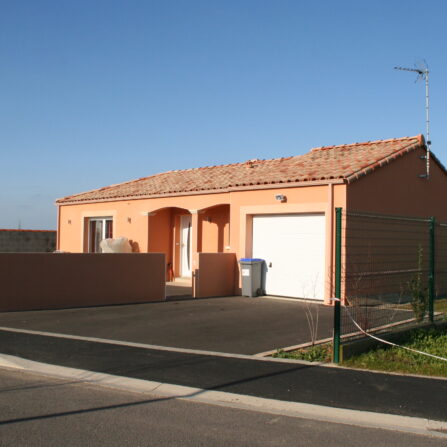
214 228
164 236
209 233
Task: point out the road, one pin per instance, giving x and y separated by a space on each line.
269 379
41 411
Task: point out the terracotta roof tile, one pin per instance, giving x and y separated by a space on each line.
347 162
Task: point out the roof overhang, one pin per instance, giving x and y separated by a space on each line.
304 184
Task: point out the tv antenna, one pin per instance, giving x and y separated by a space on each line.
421 69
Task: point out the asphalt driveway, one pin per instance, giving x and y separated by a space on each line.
231 324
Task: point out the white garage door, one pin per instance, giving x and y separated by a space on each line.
293 246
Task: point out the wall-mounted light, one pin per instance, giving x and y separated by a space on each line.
69 221
129 219
281 198
208 219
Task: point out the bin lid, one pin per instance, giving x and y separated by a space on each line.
251 260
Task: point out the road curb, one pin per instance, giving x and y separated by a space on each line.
368 419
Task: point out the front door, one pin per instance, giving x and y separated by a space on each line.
185 246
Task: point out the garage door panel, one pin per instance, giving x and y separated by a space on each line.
293 247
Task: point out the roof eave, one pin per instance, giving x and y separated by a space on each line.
420 143
206 192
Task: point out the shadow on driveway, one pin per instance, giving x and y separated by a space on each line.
237 325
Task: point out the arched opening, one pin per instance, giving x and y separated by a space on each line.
214 224
182 234
170 232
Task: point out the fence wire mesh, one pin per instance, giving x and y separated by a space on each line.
440 303
441 260
386 272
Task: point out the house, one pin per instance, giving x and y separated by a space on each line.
281 210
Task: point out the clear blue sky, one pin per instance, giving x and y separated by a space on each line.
102 91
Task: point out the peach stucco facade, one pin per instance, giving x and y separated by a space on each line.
222 222
398 189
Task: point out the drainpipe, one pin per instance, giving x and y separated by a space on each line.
58 234
330 243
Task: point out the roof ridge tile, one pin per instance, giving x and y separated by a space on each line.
363 143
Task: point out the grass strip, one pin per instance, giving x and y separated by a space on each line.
394 359
386 358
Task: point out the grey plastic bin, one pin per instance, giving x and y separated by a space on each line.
251 274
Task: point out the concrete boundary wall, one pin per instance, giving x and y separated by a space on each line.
27 241
216 275
60 280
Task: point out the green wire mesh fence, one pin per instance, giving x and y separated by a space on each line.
393 272
441 260
440 302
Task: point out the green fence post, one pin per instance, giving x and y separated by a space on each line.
432 267
337 310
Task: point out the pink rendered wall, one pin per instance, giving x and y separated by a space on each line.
215 224
377 245
397 189
51 281
132 218
128 221
216 275
160 235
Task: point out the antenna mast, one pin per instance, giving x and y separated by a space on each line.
423 74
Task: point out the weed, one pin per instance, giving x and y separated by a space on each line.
315 353
419 293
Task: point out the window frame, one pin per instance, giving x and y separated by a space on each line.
106 231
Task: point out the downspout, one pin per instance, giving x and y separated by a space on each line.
58 234
330 245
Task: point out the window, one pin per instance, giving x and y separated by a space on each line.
99 228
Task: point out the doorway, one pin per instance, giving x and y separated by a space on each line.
185 246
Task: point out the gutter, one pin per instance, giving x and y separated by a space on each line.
303 184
